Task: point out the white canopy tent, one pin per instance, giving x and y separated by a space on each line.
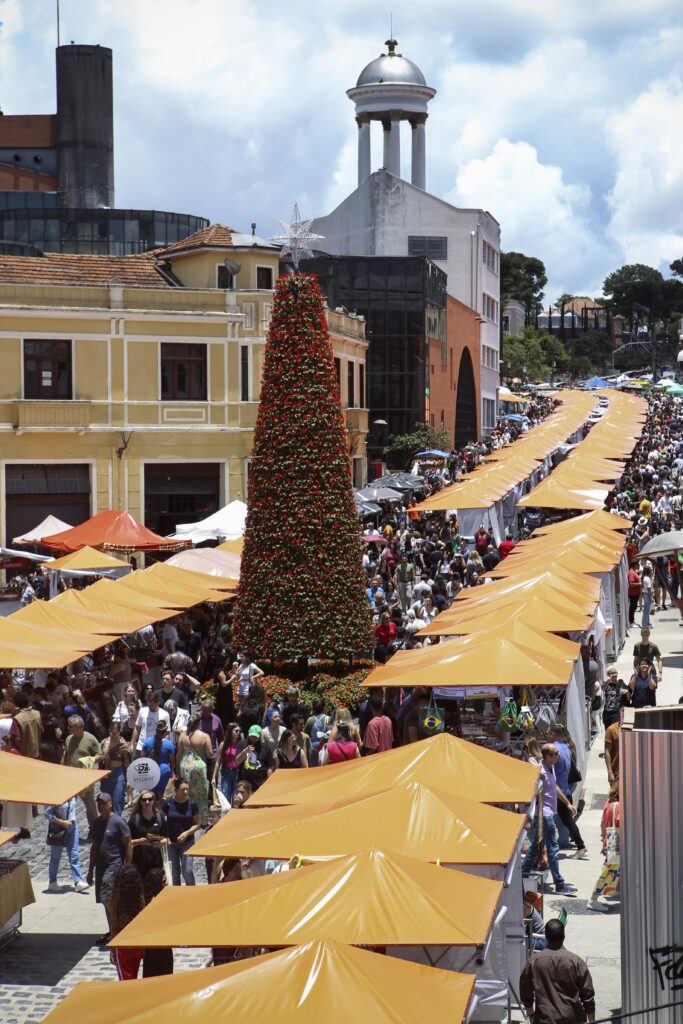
49 526
209 561
226 524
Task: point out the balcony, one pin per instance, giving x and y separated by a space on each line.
42 415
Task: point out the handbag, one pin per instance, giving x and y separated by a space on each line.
525 719
56 835
432 719
574 774
545 718
613 841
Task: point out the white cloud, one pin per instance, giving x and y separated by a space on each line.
646 201
541 214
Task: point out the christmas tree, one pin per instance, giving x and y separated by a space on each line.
301 587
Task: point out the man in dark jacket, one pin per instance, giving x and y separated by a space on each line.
555 985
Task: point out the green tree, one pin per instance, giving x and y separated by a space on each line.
677 267
300 500
595 346
635 284
522 278
402 448
525 358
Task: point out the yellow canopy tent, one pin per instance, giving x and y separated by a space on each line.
491 659
543 609
87 559
56 616
235 546
588 521
545 644
181 586
574 585
6 836
323 981
328 900
24 647
443 762
24 780
410 820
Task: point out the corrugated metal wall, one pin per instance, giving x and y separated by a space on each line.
652 869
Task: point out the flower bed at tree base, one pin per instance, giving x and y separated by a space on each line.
332 682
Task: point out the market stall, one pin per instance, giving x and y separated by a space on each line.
322 981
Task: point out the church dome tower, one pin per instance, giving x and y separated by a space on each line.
392 89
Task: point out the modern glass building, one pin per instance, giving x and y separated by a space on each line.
403 300
36 219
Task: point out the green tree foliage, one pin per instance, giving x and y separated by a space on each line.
403 448
677 267
522 278
635 283
595 346
300 506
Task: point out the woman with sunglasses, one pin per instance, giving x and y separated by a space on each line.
149 832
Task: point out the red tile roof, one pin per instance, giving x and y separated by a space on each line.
216 236
76 269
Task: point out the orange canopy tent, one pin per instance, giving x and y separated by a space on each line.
328 900
410 820
5 837
443 762
87 559
112 530
491 659
24 780
323 981
22 646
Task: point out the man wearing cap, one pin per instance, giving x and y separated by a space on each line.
109 850
254 760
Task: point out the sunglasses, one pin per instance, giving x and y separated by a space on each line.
147 800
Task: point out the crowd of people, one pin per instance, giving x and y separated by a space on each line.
144 697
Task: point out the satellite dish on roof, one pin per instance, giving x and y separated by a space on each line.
232 266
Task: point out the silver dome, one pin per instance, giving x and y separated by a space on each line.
391 68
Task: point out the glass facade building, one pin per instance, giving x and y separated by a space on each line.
403 300
36 219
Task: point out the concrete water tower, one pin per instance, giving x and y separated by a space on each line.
392 89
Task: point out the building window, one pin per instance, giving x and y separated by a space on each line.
489 307
442 419
337 373
267 313
506 324
224 279
490 257
244 373
183 372
351 385
435 247
47 370
489 413
264 278
248 310
361 386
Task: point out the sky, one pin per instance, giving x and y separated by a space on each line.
562 118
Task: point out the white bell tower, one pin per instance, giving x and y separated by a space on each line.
392 89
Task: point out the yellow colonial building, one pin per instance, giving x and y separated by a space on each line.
133 382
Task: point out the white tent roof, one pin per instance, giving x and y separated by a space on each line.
209 561
226 524
47 528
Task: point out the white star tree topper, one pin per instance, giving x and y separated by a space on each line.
297 237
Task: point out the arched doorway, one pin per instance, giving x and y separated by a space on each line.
465 402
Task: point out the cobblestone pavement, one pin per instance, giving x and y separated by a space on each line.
44 963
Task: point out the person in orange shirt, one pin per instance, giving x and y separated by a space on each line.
412 514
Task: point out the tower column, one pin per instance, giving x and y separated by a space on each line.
418 174
386 138
364 150
395 145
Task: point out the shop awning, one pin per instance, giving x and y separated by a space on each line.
111 530
543 610
5 837
321 982
24 780
226 524
442 762
352 899
412 820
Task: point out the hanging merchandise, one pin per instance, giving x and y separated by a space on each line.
545 717
525 719
432 719
508 716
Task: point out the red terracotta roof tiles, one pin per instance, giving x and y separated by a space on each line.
216 236
77 269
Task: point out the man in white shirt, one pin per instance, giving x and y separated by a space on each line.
146 724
